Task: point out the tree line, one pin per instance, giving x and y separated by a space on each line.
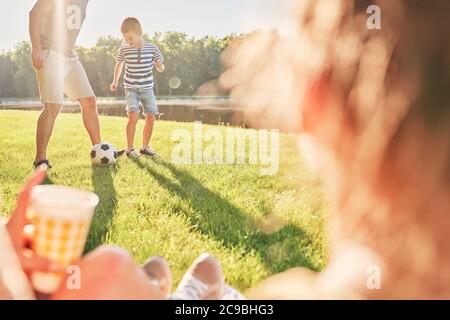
190 62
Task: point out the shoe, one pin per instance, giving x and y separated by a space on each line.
132 154
230 293
158 271
41 162
147 151
203 281
120 152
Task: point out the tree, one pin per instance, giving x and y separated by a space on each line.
193 61
24 79
8 70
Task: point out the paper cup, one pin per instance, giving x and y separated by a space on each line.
62 217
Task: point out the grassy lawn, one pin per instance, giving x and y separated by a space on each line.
256 225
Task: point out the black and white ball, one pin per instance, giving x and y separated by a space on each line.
103 154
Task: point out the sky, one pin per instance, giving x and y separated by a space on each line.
194 17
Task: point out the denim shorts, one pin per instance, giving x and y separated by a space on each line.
146 97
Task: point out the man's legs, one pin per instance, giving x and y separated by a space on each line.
44 129
90 118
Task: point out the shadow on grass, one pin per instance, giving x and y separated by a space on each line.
103 182
216 216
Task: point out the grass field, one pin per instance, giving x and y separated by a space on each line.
256 225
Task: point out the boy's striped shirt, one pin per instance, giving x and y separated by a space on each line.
139 63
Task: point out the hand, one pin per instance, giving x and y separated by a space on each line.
16 224
38 60
113 87
159 66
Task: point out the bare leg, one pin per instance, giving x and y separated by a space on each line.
90 118
280 286
44 129
133 118
110 273
148 129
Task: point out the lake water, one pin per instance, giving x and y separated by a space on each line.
208 110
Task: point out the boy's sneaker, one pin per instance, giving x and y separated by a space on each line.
39 163
133 154
147 151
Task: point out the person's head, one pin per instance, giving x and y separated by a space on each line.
374 107
132 31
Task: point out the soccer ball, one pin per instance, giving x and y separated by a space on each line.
103 154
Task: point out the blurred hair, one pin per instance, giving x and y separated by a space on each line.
376 104
131 24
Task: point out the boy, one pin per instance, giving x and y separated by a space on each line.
139 57
54 28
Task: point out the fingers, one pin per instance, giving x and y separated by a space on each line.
28 234
32 263
21 234
36 179
38 63
18 218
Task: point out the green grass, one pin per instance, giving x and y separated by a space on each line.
256 225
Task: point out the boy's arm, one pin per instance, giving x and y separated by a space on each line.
160 66
35 22
159 60
117 72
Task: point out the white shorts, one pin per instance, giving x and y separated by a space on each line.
62 75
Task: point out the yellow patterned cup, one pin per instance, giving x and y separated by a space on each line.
61 217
